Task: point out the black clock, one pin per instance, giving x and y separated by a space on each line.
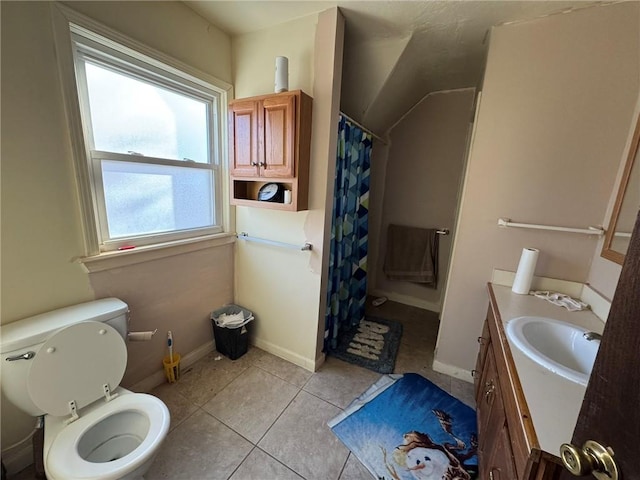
271 192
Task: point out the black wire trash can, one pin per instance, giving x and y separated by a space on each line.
231 325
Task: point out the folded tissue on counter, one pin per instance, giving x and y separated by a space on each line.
561 300
230 320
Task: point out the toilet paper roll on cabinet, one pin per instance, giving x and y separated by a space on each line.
282 74
526 269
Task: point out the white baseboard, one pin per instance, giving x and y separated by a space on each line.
452 371
306 363
19 459
407 300
157 378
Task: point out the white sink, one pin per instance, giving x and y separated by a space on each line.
558 346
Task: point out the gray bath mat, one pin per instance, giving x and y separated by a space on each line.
373 344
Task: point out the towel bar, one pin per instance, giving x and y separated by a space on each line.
506 222
245 236
442 231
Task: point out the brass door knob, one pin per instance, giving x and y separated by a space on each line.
591 458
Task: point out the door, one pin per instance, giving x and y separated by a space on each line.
610 413
279 136
243 139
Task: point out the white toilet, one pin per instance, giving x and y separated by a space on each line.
67 365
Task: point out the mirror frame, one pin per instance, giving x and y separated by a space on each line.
607 251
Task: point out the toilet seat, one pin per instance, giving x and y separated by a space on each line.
74 365
63 462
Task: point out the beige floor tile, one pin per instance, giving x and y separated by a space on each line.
414 359
205 378
354 470
283 369
260 466
179 406
463 391
253 355
200 448
301 439
339 382
252 402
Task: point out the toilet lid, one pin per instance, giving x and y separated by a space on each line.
74 364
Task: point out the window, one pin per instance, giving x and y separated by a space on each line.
151 135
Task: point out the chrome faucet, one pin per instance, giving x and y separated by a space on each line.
590 336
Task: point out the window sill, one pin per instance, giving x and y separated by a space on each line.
117 259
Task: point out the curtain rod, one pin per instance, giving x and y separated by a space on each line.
358 124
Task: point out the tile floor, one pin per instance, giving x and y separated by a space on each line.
262 418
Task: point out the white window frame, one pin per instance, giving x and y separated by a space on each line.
78 36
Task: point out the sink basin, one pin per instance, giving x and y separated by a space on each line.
557 346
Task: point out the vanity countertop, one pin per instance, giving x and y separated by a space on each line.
554 402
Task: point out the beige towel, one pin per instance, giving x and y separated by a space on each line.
412 255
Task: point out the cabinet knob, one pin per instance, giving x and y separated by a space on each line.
254 164
263 164
591 458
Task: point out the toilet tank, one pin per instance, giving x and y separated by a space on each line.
29 334
35 330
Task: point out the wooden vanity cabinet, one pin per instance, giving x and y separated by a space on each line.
508 448
270 141
495 454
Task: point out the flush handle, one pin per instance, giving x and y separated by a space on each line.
25 356
592 458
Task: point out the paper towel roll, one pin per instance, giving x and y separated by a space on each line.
287 196
526 269
282 74
141 336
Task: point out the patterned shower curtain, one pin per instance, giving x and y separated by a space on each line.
347 288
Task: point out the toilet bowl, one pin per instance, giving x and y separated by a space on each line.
67 365
114 440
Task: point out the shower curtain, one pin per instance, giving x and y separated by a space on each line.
347 286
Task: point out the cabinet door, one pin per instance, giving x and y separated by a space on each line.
484 343
278 148
244 127
490 409
499 462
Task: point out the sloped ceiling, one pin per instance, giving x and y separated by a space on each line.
396 52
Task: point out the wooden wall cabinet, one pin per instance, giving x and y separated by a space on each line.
508 448
270 141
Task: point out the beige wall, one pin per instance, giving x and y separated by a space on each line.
553 121
282 287
604 274
425 165
41 231
327 91
175 293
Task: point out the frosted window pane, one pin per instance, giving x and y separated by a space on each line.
132 115
143 199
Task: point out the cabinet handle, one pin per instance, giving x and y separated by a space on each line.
491 476
481 340
254 164
263 164
474 372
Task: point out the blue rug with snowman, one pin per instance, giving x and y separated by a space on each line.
406 428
